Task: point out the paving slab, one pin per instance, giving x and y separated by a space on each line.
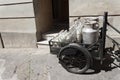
39 64
57 72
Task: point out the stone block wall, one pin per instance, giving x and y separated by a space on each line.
17 23
23 21
93 7
97 8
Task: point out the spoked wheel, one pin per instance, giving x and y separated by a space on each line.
75 58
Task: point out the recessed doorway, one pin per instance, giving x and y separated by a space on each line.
60 13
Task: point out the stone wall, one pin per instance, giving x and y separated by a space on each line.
17 23
23 21
93 7
96 8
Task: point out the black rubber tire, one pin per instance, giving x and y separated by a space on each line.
80 52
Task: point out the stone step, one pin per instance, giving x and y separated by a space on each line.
44 42
49 36
19 40
46 38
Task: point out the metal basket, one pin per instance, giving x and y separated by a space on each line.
55 46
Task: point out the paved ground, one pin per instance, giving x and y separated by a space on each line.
38 64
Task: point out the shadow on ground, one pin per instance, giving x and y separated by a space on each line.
107 65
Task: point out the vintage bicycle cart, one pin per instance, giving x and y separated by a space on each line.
78 57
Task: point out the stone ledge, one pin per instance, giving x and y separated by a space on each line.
19 40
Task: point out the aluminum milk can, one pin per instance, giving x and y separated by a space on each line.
90 33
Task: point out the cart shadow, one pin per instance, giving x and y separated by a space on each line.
106 66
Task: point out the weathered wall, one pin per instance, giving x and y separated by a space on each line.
96 7
17 23
13 1
23 21
93 7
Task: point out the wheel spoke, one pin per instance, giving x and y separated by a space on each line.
74 59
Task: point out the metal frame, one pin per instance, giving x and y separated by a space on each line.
102 40
88 50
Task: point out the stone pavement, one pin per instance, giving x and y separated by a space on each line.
39 64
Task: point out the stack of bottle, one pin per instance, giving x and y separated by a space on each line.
79 29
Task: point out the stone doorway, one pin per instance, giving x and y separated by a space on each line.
60 17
